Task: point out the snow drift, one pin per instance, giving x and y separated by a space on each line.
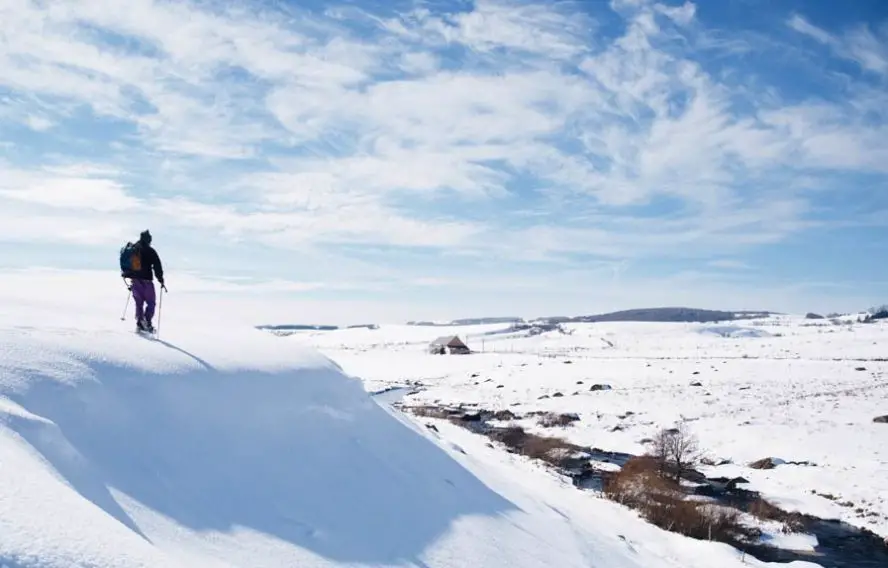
159 443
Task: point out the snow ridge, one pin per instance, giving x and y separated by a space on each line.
170 457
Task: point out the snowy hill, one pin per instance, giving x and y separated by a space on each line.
233 447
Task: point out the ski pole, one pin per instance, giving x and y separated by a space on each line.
126 305
160 309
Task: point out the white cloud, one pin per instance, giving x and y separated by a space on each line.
22 224
39 123
362 223
493 25
57 190
197 283
419 63
683 14
832 136
803 26
515 130
862 44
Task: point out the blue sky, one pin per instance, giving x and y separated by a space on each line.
446 159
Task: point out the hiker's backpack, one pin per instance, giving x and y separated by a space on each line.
130 259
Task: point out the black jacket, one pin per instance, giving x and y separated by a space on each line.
150 259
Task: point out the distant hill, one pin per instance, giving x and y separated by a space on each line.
667 314
664 314
468 321
283 328
297 327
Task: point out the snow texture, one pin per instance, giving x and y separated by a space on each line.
223 447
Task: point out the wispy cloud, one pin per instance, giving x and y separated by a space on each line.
510 130
66 189
864 44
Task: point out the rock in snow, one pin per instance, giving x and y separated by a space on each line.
766 463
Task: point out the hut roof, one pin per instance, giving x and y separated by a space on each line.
449 341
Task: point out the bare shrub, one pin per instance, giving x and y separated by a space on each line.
702 521
540 446
765 510
554 420
512 436
638 482
638 465
504 415
676 450
554 451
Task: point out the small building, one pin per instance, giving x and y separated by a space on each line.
449 344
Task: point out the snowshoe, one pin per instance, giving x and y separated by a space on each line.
144 327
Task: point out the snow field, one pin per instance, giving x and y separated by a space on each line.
778 387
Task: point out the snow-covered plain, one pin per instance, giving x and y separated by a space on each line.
227 446
797 390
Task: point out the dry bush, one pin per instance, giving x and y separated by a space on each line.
511 436
765 510
504 415
659 498
639 482
639 464
540 447
703 521
554 451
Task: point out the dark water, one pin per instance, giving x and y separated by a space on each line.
840 545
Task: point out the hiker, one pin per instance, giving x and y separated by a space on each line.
142 285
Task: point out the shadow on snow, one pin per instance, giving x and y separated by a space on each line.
304 456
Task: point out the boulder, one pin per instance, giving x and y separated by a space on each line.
766 463
504 415
552 420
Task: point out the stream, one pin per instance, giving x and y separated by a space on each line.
839 544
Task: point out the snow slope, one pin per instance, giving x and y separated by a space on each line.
232 447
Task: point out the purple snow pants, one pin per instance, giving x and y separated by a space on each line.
143 293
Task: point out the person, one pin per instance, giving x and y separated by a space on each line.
142 282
